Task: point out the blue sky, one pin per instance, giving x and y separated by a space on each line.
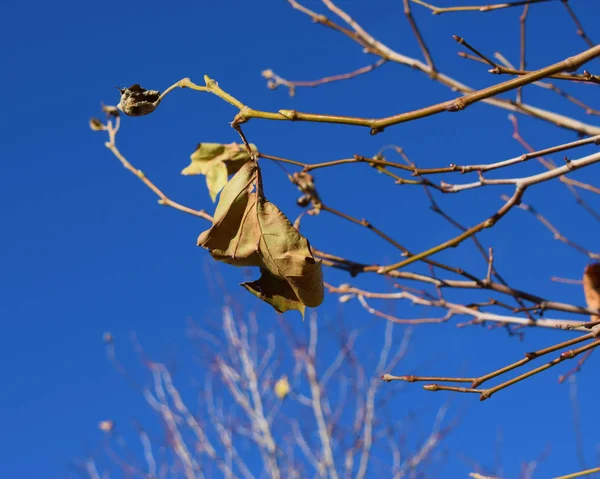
86 249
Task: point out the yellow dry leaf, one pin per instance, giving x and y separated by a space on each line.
216 161
282 387
591 287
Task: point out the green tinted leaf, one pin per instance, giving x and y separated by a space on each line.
204 153
216 178
217 161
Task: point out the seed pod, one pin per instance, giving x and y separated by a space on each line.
137 101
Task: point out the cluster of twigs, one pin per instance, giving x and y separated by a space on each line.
529 306
269 407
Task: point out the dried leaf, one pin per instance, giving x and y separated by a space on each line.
591 287
110 111
96 125
248 230
217 161
216 179
282 387
223 239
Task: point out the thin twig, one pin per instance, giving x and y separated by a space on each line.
522 62
474 8
163 199
359 35
574 475
557 235
580 30
418 36
274 80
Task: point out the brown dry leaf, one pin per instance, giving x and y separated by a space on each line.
96 124
217 161
591 287
248 230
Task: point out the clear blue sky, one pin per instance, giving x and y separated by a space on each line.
85 248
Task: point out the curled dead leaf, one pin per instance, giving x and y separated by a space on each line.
110 111
96 124
216 161
591 287
248 230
